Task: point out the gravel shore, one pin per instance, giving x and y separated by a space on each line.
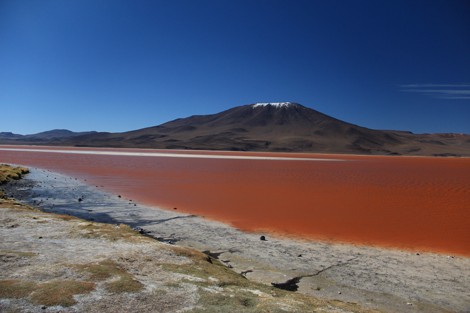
388 280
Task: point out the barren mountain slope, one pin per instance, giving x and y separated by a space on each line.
274 127
285 126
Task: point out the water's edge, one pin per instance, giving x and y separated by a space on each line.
376 278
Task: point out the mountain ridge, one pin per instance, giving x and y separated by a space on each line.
55 134
275 127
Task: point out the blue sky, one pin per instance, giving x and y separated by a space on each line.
123 65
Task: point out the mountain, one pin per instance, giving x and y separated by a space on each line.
270 127
10 136
277 127
51 135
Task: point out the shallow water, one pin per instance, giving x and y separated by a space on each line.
403 202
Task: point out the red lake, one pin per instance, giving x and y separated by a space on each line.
418 203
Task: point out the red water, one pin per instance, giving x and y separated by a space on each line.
403 202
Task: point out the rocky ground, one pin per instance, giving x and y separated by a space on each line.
58 263
388 280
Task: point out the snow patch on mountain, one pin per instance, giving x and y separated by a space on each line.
275 104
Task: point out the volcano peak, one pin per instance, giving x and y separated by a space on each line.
275 127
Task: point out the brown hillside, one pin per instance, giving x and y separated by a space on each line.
274 127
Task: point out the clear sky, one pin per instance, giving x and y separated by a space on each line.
124 65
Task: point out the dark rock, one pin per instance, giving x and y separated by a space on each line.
141 230
290 285
263 238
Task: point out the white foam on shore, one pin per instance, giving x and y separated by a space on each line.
169 155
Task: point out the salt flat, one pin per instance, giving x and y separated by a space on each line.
168 155
389 280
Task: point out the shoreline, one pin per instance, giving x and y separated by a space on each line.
222 152
376 278
171 155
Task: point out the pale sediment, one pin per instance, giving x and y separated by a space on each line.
389 280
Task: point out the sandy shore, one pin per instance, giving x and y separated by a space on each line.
389 280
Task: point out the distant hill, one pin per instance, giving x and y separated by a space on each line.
56 134
276 127
10 136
